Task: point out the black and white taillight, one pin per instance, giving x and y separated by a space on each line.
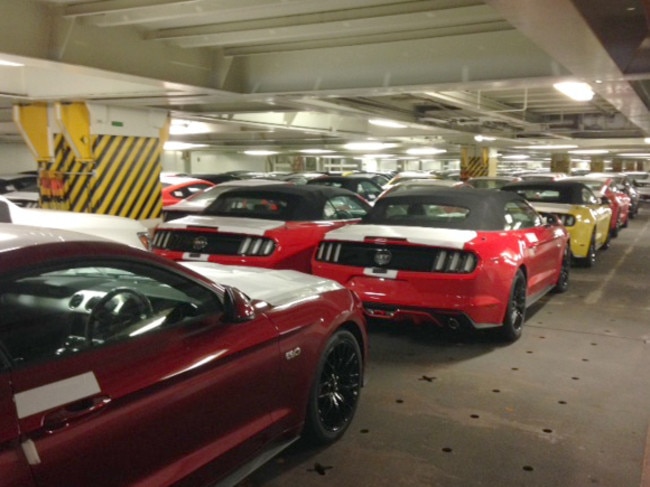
454 261
256 246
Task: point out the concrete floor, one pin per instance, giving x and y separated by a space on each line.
567 405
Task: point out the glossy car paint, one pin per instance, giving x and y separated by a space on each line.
294 240
117 228
592 220
177 188
478 299
619 202
186 405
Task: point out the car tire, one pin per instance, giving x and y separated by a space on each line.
562 284
513 321
590 259
334 395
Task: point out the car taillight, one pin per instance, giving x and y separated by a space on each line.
454 261
256 246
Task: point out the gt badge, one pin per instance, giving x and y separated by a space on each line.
383 257
199 243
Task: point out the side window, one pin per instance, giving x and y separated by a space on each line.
369 191
68 309
518 216
588 197
343 208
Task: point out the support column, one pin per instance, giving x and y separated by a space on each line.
561 163
597 164
105 159
474 162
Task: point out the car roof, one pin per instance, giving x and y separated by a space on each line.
308 200
570 191
486 206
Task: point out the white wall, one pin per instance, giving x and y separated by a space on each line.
16 157
210 162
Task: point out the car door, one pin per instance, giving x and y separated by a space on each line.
602 214
542 245
148 403
13 464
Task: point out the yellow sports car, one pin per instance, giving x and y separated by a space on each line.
586 216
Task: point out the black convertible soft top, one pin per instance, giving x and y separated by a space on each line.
303 202
568 192
486 207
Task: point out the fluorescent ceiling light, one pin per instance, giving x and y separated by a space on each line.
589 151
380 122
172 146
647 140
483 138
364 146
575 90
260 152
377 156
547 147
186 127
635 154
516 157
316 151
424 151
10 63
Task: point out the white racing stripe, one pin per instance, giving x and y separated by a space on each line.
55 394
246 226
439 237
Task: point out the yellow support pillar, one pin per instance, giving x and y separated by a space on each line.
597 164
561 163
473 163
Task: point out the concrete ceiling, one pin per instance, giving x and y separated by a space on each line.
304 74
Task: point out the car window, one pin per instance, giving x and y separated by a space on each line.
71 308
343 208
518 215
266 207
422 214
588 198
368 190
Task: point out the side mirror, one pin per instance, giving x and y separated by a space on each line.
551 219
237 306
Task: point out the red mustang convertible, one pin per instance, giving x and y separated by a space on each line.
273 226
119 367
473 259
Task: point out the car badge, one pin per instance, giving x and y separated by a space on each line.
199 243
383 257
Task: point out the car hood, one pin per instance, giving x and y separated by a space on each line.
276 287
247 226
439 237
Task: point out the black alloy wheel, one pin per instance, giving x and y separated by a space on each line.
513 322
335 393
590 259
562 284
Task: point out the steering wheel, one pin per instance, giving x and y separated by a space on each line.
115 311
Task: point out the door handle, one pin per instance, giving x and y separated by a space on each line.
61 418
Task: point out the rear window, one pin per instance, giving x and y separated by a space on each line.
419 214
246 206
543 195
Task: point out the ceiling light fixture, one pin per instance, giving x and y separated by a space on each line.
424 151
484 138
260 152
589 151
380 122
547 147
316 151
516 157
575 90
368 146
